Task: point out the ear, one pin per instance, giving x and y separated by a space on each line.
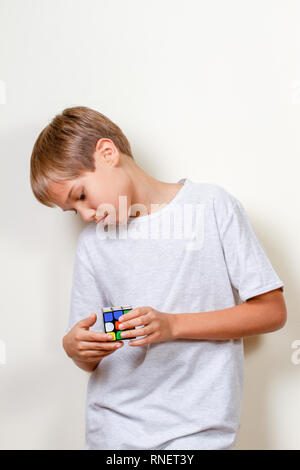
107 152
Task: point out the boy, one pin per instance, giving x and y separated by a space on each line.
178 385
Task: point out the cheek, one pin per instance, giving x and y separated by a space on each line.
103 200
109 194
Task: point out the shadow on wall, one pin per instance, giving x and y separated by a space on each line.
267 366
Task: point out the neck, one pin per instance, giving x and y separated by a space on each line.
147 190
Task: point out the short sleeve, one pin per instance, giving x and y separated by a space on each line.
86 294
249 269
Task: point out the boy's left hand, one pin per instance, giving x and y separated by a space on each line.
157 325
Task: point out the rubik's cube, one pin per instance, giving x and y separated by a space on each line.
111 321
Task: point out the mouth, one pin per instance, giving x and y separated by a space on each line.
102 219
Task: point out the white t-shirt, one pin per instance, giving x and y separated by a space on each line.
184 393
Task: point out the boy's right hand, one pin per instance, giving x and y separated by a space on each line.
88 346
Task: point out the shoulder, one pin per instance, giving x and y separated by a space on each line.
221 204
215 193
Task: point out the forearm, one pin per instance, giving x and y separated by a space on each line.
248 318
87 366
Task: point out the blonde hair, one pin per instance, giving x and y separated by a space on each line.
64 149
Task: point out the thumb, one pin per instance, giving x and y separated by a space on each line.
89 321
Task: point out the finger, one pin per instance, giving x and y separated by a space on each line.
135 312
89 321
104 346
92 356
147 340
140 320
147 330
94 336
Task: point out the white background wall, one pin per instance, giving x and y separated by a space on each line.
208 90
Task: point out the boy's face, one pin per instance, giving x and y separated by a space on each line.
102 186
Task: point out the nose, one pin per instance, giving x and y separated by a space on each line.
87 215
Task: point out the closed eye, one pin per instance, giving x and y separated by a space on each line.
81 198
